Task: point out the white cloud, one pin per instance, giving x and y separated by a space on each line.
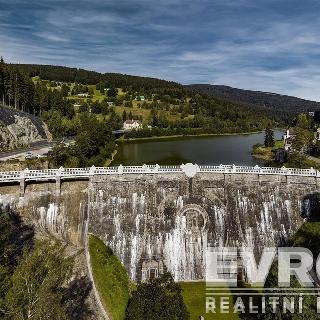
49 36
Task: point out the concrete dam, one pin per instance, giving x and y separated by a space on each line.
162 218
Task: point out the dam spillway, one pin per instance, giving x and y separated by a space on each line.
162 218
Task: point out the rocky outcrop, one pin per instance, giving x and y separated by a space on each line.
18 129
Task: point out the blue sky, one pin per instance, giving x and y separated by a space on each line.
269 45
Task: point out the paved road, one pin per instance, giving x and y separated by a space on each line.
36 148
33 146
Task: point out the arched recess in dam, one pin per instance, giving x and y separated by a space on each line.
164 221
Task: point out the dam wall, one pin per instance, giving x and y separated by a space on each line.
62 215
162 218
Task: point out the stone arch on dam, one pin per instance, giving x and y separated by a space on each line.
156 220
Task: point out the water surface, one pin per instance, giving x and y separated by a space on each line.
213 150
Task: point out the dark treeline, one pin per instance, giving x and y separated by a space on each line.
282 107
17 90
127 82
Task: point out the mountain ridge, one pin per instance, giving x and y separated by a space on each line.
264 101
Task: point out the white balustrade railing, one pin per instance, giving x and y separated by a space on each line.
188 169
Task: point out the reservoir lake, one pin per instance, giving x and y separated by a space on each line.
209 150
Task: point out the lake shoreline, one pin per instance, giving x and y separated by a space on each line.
182 137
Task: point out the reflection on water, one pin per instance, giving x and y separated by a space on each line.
212 150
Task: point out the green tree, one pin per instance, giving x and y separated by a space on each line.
303 121
124 115
65 90
14 238
160 299
112 92
37 282
269 138
102 85
303 140
316 116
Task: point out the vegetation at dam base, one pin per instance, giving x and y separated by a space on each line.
157 299
194 295
151 300
160 299
36 276
110 277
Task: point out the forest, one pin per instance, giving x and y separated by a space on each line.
281 107
66 74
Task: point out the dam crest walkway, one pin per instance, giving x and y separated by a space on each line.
189 169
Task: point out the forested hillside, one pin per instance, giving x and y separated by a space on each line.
66 74
89 106
17 90
281 106
158 103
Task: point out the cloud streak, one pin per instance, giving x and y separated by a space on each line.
262 45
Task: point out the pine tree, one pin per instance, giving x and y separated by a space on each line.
269 138
124 115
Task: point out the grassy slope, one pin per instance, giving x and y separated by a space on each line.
266 153
110 277
137 111
194 295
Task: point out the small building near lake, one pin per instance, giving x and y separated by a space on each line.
83 95
132 124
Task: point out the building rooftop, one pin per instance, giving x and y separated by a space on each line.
132 121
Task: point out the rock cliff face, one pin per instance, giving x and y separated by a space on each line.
18 129
165 221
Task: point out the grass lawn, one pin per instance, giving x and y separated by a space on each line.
110 277
194 295
278 144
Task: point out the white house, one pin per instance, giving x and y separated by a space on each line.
83 95
132 124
